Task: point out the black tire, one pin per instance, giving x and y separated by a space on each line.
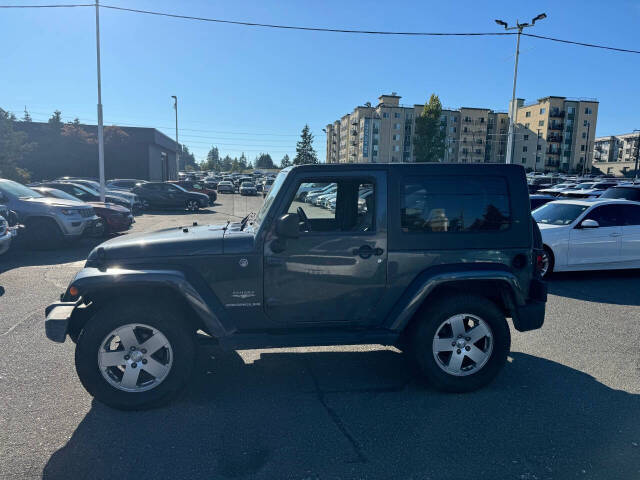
164 318
43 234
424 331
552 261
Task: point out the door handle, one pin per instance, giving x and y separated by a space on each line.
365 251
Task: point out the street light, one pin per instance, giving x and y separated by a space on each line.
175 106
512 107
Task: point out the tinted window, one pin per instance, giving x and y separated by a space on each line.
629 193
608 215
454 204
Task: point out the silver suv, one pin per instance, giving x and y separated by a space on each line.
48 221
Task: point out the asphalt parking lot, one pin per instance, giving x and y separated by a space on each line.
565 406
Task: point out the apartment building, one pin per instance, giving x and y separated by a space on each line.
384 133
555 134
616 154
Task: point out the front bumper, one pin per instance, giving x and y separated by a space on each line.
75 226
58 316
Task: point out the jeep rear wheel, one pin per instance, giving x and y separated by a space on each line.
135 356
461 343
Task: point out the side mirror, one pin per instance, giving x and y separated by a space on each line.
287 226
589 223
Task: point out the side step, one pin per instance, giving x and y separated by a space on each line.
248 341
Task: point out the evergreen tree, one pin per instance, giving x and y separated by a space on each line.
264 160
13 147
226 163
242 162
285 162
27 116
305 153
56 120
429 135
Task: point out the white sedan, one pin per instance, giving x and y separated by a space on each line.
589 235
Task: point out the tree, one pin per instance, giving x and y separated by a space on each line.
305 153
13 147
285 162
264 160
242 162
226 163
26 117
56 120
429 138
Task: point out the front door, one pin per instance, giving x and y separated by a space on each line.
590 246
335 272
630 239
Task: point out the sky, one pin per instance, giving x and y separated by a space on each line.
252 90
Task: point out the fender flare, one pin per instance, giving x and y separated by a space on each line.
427 281
193 290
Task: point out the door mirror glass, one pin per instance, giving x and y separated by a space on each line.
287 226
589 223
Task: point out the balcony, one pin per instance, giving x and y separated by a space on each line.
556 126
552 163
354 141
376 130
554 138
553 152
556 113
354 132
354 122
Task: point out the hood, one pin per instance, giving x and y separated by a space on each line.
547 226
55 202
109 206
172 242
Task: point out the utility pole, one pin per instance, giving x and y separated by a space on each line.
512 107
535 160
175 106
586 155
637 152
100 121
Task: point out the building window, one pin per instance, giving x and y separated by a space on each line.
526 125
539 147
409 116
587 111
396 136
375 148
527 114
481 119
524 159
541 123
396 126
571 110
453 130
385 115
581 159
585 123
582 148
396 148
537 159
396 115
455 119
526 137
584 134
524 149
542 110
502 121
464 129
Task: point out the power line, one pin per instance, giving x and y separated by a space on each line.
70 5
582 44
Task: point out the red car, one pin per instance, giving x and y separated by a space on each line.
114 217
198 187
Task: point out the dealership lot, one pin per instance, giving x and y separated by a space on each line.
564 406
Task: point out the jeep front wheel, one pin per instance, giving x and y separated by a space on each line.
135 356
461 343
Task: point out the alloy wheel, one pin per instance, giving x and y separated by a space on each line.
462 344
135 357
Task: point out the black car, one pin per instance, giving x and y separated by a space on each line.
538 200
628 192
436 262
169 195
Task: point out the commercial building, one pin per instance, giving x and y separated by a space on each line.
555 134
129 152
385 133
617 154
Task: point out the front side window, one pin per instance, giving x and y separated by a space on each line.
344 205
454 204
607 215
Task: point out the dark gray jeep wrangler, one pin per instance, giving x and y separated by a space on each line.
431 258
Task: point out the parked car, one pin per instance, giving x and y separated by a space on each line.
48 221
305 189
133 203
86 194
266 186
626 191
460 238
538 200
600 234
169 195
8 228
556 189
586 190
115 218
226 186
124 184
248 188
314 194
199 187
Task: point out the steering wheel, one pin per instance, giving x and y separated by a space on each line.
304 218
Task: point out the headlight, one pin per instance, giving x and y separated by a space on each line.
68 211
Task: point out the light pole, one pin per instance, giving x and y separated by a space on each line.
512 108
586 155
100 123
175 106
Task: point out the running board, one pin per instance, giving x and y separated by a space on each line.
248 341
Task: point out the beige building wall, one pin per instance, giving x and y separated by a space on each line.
615 155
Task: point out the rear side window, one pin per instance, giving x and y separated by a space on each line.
460 204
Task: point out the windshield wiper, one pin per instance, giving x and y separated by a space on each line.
246 219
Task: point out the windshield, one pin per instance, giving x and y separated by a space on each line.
273 191
558 213
628 193
247 184
17 190
584 186
178 187
55 193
